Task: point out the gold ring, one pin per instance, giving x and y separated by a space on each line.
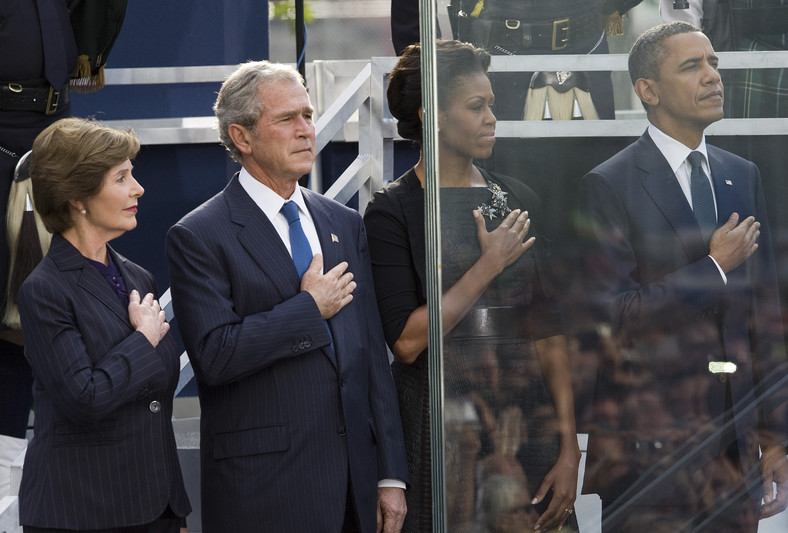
569 511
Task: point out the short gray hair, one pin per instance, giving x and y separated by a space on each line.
238 101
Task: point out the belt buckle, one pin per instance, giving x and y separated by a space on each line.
52 100
559 43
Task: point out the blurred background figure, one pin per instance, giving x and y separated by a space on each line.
103 453
34 94
58 46
543 27
405 24
504 506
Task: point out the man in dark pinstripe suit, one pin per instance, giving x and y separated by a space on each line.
300 425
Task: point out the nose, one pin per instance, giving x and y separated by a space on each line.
491 119
712 74
306 127
137 190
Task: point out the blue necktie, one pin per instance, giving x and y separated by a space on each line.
702 197
299 245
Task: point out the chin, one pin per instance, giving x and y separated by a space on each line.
482 154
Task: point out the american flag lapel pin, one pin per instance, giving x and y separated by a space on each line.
334 238
728 182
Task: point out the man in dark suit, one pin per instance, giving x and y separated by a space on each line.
300 425
682 272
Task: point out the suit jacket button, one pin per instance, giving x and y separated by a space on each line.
307 344
342 431
723 378
154 406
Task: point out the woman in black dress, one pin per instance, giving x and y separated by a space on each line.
508 399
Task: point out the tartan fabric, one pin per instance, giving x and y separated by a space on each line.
757 93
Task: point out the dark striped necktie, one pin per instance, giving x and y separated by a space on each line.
702 197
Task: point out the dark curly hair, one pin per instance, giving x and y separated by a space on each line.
454 60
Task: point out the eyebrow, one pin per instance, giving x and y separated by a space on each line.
694 60
294 112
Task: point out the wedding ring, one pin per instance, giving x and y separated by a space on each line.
568 511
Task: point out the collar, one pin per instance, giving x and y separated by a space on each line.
675 152
269 201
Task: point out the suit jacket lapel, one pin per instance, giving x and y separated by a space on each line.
130 277
67 258
331 247
663 187
326 232
724 188
261 241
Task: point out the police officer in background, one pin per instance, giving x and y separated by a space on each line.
40 53
543 27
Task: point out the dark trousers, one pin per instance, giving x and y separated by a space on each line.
350 524
16 390
18 129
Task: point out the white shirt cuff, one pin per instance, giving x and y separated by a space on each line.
394 483
724 277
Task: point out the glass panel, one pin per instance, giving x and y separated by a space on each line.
614 325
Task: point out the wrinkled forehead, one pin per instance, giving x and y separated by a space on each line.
280 95
683 47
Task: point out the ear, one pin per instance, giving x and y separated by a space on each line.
241 138
79 205
646 91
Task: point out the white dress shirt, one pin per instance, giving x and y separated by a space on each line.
676 154
271 204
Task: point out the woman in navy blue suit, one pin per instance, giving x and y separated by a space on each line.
103 455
